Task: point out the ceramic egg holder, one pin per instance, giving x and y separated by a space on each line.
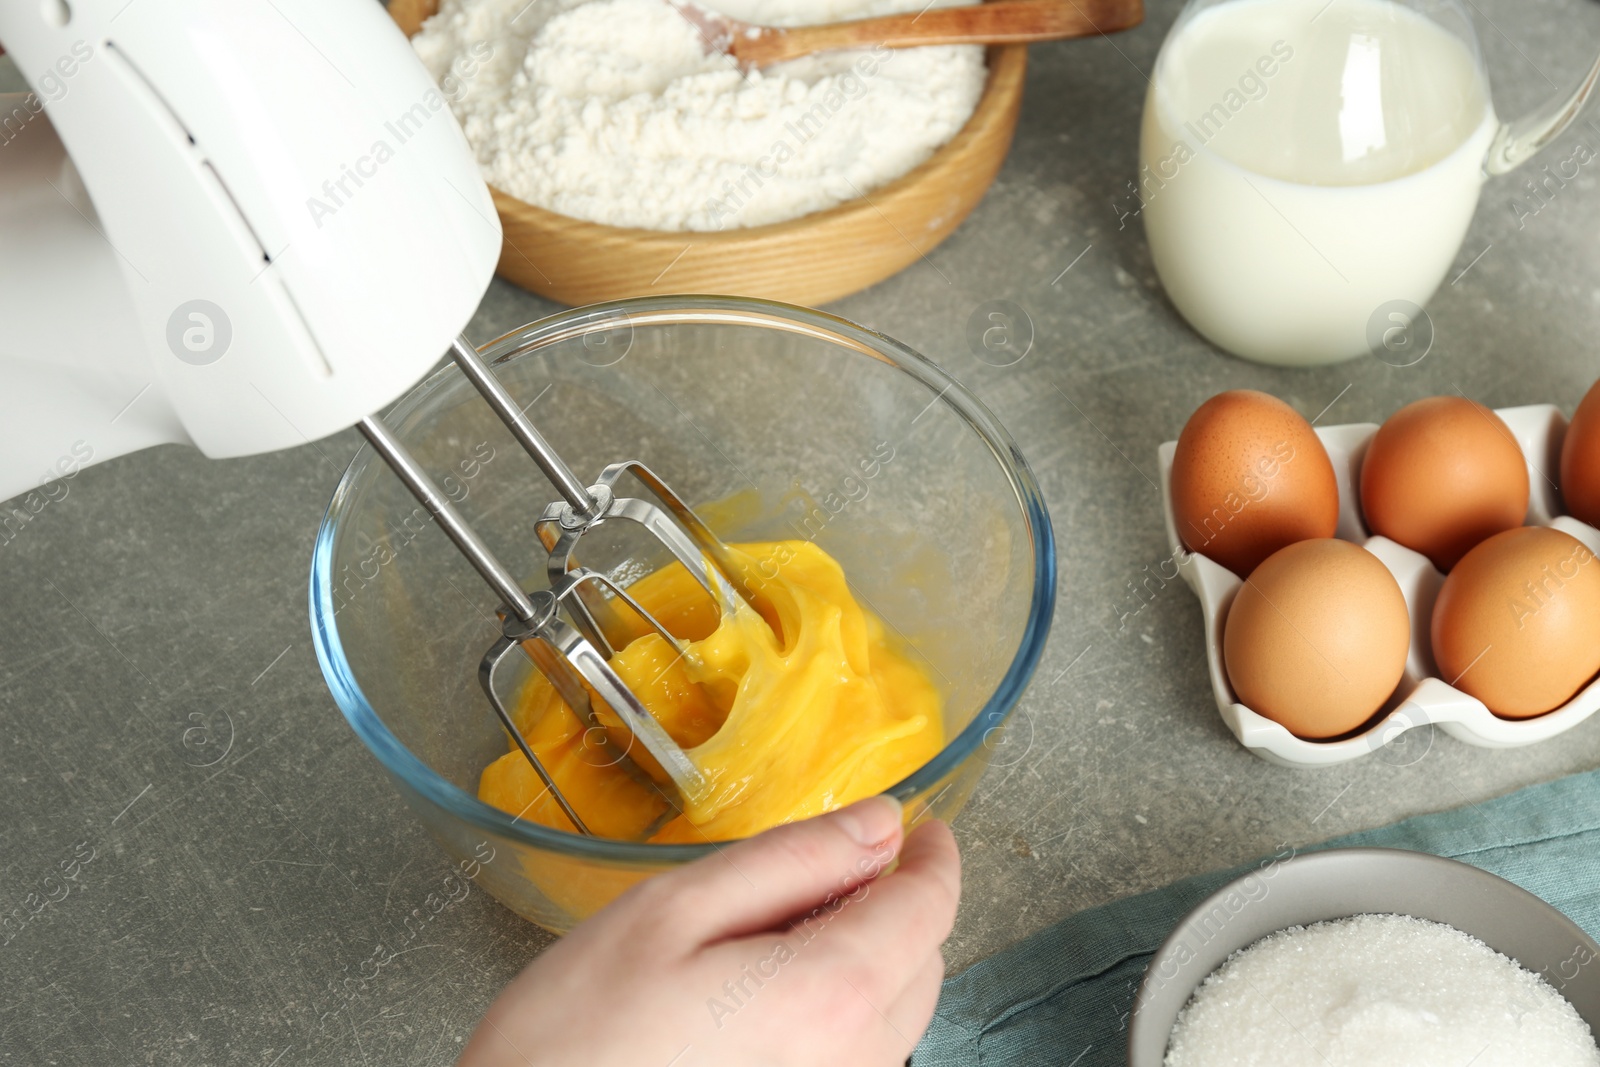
1422 698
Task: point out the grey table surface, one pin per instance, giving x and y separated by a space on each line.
221 900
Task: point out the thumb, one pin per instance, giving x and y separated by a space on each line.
764 882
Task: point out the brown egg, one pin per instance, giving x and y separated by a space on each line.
1517 623
1580 460
1250 476
1317 637
1441 475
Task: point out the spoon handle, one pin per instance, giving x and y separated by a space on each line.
1001 22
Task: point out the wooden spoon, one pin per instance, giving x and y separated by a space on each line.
1001 22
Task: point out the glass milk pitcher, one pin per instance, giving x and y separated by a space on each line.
1308 168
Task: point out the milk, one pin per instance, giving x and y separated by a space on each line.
1303 164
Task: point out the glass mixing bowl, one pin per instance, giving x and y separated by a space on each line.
774 422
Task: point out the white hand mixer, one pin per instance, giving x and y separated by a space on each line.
245 226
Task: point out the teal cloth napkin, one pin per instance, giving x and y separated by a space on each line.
1062 997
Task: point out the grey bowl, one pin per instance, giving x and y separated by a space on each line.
1339 883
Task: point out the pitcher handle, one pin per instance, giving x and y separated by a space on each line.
1517 141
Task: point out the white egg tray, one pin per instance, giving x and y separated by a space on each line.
1422 699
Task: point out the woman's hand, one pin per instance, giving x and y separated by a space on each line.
791 948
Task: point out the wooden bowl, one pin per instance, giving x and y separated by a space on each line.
809 260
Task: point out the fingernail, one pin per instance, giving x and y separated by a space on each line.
872 821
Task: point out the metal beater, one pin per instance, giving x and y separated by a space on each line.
604 617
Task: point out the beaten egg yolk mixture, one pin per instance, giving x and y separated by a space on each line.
791 709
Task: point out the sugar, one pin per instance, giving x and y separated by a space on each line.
1375 990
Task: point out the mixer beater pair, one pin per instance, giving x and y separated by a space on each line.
575 656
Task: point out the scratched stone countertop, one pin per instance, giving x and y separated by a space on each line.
214 904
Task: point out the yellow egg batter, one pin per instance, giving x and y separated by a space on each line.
796 710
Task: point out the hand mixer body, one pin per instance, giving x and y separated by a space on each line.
247 225
240 225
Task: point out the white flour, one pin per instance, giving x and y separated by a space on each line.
611 111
